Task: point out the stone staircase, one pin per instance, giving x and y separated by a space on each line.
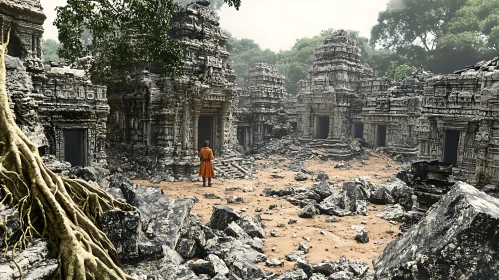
231 168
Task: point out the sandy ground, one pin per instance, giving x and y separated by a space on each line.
327 240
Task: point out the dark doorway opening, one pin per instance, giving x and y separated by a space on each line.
322 128
381 136
294 125
42 150
241 135
205 131
358 130
451 146
15 47
74 146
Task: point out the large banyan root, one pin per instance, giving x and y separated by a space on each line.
63 210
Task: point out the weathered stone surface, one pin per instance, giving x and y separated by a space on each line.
274 263
211 265
222 216
350 201
251 227
458 238
293 256
362 236
322 189
293 275
235 199
392 213
308 211
341 275
381 195
35 262
122 228
10 218
401 193
301 176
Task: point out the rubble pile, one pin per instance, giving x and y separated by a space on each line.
458 238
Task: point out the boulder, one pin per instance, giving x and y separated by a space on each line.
322 189
381 195
308 211
235 199
301 176
211 265
293 256
458 238
362 236
293 275
393 213
251 227
222 216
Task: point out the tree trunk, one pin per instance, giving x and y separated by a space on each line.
64 210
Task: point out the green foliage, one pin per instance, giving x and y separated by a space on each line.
126 34
397 72
245 53
439 35
50 51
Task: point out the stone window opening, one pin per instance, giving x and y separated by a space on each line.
358 130
15 48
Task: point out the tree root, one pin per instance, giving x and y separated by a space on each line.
66 211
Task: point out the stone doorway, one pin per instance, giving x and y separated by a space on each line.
74 146
451 146
358 130
381 136
15 47
322 127
206 131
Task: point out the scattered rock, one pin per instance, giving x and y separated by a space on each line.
362 236
295 255
274 263
211 196
235 199
301 176
308 211
392 213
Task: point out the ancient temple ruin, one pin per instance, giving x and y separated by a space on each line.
390 113
328 98
459 122
260 101
160 123
59 109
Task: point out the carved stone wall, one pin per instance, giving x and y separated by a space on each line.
463 105
396 108
156 122
49 101
263 96
332 89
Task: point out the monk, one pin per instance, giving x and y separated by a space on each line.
206 170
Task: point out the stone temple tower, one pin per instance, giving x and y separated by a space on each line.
329 97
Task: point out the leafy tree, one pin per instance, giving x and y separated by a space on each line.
50 50
245 53
397 72
68 211
440 35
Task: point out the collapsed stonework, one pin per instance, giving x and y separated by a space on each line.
57 107
159 124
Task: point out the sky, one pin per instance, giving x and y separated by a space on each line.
276 24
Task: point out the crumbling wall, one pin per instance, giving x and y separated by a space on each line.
458 124
395 107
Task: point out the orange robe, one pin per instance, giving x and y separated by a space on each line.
206 169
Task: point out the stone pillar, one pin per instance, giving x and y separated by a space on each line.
185 125
195 124
306 122
337 123
223 123
331 127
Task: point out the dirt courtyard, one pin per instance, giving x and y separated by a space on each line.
327 240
